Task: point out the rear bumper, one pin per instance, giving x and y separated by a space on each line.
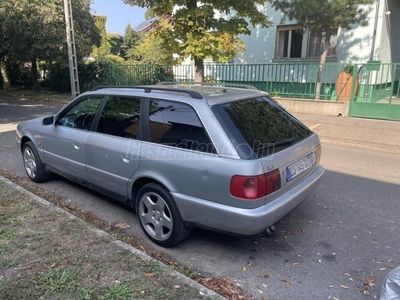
245 221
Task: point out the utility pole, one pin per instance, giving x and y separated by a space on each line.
73 66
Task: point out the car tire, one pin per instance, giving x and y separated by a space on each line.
159 216
33 165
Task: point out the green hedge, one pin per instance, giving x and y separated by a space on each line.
18 73
90 74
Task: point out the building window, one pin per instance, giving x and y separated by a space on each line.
289 43
316 43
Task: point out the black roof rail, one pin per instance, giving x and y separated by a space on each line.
221 84
148 89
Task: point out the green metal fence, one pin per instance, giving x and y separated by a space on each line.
138 74
295 80
377 95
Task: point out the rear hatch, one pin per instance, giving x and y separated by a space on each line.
260 129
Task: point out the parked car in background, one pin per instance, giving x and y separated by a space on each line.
183 156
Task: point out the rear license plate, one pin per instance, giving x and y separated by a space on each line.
299 167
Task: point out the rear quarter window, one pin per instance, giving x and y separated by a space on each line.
177 125
259 127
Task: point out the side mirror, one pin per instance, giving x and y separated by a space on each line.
49 120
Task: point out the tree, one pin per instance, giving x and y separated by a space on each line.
205 28
149 50
103 49
34 30
149 14
131 39
323 15
115 42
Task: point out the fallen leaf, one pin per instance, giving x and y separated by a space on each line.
149 274
286 282
121 225
370 282
343 286
244 268
71 206
267 276
155 283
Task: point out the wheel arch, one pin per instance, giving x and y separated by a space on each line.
138 184
24 140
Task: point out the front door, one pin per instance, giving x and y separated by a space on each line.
64 143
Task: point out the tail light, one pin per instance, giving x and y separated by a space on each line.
318 153
254 187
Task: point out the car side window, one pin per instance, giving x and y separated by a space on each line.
177 124
120 117
81 114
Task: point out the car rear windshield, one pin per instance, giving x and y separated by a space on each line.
259 127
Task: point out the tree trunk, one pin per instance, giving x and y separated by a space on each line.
35 77
198 70
322 64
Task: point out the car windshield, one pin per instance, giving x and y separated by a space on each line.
259 127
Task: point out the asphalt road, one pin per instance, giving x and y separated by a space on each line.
346 232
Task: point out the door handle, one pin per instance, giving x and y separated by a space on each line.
77 147
125 160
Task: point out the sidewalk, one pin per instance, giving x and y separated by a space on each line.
378 135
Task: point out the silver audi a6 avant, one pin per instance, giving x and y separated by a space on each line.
224 158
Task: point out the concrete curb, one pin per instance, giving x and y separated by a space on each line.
202 290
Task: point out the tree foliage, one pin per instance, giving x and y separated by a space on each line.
149 49
34 30
323 15
115 42
103 48
206 28
131 39
149 14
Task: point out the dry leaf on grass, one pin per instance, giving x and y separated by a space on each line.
122 225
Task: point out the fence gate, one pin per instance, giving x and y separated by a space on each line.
378 94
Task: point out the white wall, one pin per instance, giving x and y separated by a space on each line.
354 45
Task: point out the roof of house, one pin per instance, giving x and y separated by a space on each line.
146 25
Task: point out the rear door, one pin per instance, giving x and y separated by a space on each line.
112 150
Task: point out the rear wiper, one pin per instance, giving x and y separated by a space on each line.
284 142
